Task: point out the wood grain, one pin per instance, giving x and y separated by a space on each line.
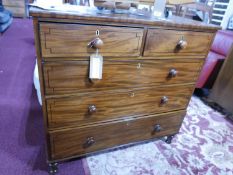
72 142
164 42
73 111
67 40
73 76
41 78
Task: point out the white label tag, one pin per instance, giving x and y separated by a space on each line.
96 66
159 7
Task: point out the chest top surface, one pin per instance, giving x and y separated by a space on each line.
90 14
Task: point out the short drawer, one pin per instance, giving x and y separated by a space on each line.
72 76
71 40
89 108
78 141
161 42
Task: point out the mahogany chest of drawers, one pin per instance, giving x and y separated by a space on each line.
149 72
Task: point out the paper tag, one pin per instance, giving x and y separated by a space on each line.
159 8
96 66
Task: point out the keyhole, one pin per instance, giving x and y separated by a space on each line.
132 94
139 65
97 32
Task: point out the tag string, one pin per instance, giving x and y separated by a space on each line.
97 52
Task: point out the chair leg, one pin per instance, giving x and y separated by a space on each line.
210 15
184 12
177 9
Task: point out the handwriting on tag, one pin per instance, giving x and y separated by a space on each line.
96 66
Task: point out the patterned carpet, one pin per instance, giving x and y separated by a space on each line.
204 146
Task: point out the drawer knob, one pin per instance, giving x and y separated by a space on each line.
96 43
172 73
92 109
157 128
164 100
182 44
89 142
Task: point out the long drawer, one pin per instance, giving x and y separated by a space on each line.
72 76
71 40
91 108
78 141
162 42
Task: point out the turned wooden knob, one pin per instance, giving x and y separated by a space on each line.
164 100
157 128
89 142
182 44
172 73
96 43
92 109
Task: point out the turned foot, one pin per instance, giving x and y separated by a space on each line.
169 139
53 168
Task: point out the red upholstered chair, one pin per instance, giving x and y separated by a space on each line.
219 49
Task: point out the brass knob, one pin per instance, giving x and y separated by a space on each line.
164 100
89 142
92 109
182 44
172 73
96 43
157 128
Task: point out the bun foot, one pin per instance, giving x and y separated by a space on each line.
169 139
53 169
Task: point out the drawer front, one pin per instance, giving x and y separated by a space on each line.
79 141
170 42
67 40
69 77
95 108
